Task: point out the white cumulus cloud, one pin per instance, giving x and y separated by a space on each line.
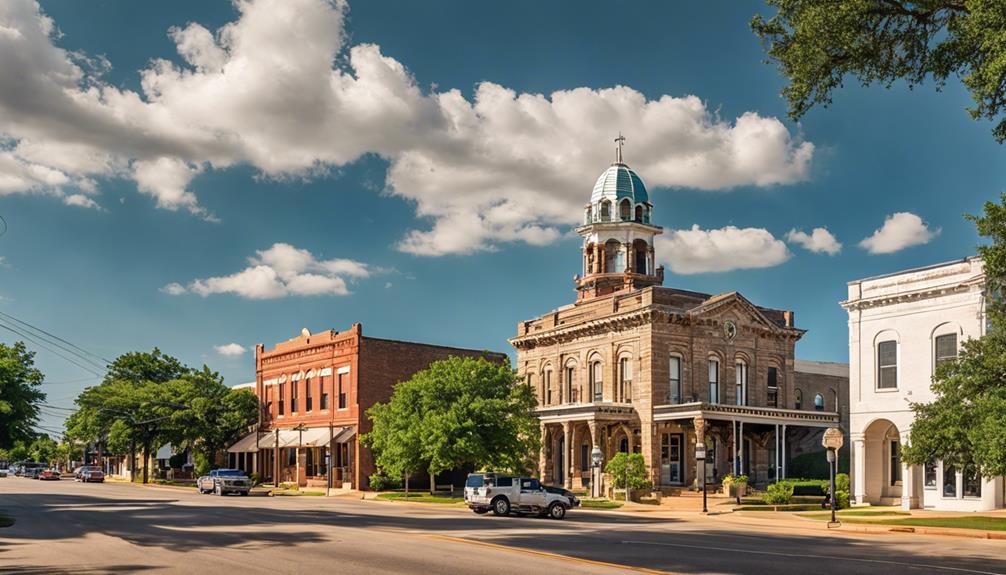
819 240
280 89
695 251
279 271
230 349
900 230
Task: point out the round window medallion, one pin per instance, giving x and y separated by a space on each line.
729 329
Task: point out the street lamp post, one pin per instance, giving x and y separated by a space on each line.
300 442
832 442
700 456
595 460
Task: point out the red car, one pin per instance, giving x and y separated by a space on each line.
48 475
90 474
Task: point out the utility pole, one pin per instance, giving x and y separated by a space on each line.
275 461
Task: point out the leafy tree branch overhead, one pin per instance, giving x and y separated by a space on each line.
818 44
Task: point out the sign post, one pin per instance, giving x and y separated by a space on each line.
595 461
832 442
700 456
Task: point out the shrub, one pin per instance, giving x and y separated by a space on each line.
380 482
731 478
842 501
779 493
636 470
202 464
842 482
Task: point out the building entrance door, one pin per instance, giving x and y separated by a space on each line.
672 461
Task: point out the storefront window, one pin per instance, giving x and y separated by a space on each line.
929 479
972 482
949 481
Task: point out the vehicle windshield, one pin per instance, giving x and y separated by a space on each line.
475 481
230 473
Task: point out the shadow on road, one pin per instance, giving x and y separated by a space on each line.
657 543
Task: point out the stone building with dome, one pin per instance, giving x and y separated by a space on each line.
633 366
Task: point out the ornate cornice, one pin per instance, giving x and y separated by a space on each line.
913 296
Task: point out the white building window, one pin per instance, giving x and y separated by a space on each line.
714 380
625 382
887 365
946 349
596 381
674 390
818 402
741 371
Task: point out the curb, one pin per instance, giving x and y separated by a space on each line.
886 529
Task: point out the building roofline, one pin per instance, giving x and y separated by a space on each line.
917 269
407 342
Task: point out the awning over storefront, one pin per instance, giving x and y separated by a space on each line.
247 444
310 437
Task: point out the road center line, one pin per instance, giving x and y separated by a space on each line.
812 556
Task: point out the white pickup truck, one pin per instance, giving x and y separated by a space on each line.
503 494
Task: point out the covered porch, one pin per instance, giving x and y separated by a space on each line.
310 456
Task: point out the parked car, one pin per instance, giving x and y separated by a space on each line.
31 469
89 474
48 475
504 494
222 481
3 472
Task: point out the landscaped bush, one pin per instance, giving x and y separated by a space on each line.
636 471
842 482
779 493
842 499
379 482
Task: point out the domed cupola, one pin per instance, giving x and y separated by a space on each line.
618 234
617 182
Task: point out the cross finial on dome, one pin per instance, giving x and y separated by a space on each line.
618 151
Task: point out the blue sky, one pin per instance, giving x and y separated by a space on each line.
127 200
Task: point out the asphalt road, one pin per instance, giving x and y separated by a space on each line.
67 527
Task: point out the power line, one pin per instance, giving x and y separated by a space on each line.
48 347
80 352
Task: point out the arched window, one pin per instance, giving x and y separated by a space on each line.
797 399
625 380
588 215
614 258
639 214
625 210
572 393
714 380
642 250
546 377
623 445
887 365
741 391
605 211
597 381
818 402
674 388
834 400
772 383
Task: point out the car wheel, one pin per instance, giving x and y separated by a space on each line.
244 494
501 506
481 510
557 511
218 491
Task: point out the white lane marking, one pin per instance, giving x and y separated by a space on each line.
811 556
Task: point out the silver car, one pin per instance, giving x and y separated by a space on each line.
222 481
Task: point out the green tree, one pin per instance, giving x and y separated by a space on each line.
131 404
18 452
963 425
817 44
627 467
20 394
214 415
457 412
43 450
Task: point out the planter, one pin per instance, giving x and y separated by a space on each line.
735 489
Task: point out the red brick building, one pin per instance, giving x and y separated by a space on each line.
314 391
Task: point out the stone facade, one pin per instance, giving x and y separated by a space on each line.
633 366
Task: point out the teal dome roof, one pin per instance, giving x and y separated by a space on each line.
617 182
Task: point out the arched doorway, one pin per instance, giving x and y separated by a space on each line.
884 475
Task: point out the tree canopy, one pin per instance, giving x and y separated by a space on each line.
20 394
147 399
457 412
964 427
817 44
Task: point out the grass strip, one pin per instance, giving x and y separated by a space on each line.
419 498
600 504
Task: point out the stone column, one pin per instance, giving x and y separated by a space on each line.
859 469
567 463
700 439
542 459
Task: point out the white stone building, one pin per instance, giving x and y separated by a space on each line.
901 326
